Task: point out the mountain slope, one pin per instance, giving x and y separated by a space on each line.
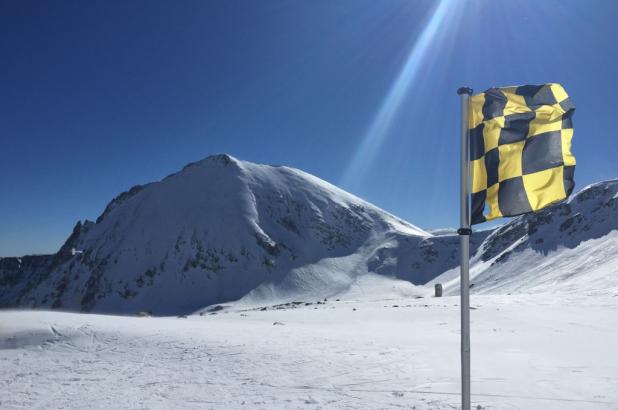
223 229
569 247
219 229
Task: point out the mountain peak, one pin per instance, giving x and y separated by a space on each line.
222 229
596 190
211 233
216 159
221 159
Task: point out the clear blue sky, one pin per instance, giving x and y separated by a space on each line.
97 96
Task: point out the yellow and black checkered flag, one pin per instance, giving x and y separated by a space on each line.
520 150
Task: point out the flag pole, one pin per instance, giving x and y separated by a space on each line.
464 242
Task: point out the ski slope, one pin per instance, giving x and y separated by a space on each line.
364 351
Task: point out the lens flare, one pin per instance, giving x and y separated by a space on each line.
381 125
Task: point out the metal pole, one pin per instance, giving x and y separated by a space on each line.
464 241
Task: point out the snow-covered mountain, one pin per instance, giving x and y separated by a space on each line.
223 229
569 247
217 230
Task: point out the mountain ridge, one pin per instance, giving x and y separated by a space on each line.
209 233
221 229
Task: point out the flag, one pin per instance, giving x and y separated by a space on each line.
520 150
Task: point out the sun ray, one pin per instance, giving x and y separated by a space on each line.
382 123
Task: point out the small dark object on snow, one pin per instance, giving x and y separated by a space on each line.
438 290
354 309
278 324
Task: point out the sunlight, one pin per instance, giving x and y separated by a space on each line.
381 125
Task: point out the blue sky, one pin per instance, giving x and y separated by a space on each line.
97 96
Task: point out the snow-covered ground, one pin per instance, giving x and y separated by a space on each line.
544 324
365 351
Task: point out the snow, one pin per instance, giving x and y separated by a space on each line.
222 229
305 296
589 269
361 352
208 234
